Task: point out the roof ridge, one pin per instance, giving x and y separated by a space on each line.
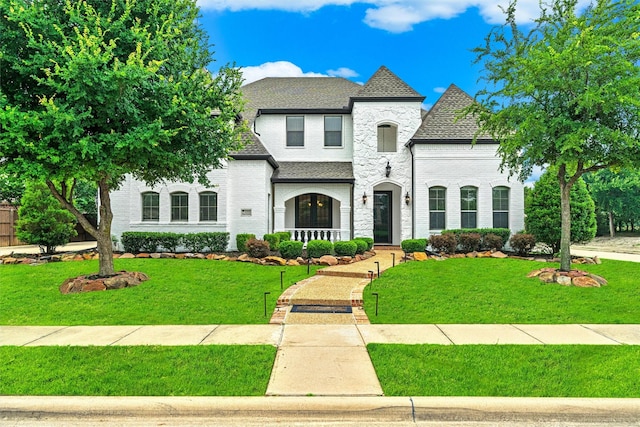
385 83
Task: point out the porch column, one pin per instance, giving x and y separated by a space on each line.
345 221
278 218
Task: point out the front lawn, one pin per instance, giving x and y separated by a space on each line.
179 292
136 371
488 290
507 370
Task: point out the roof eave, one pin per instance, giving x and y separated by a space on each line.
276 180
265 157
467 141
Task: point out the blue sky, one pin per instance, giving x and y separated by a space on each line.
427 43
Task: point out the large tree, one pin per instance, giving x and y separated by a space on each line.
97 89
565 93
617 193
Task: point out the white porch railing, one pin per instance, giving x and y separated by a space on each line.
306 234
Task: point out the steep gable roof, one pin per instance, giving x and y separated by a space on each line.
385 84
441 123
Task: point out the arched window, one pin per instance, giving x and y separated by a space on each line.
179 206
314 211
150 206
387 138
208 206
501 207
437 208
469 207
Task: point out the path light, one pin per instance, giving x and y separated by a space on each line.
378 264
265 303
376 294
281 283
393 256
371 277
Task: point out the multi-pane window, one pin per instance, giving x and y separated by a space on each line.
295 131
437 208
333 131
500 207
469 207
313 211
387 138
150 206
179 206
208 206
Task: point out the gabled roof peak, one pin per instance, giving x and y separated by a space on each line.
385 84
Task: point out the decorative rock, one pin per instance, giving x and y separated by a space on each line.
122 279
585 282
563 280
87 256
94 285
534 273
601 280
420 256
454 256
547 277
293 262
155 255
473 254
180 256
200 256
95 256
244 258
116 256
328 260
127 255
143 255
167 255
275 260
498 254
596 260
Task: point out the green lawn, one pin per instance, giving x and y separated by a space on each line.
178 292
487 290
136 371
507 370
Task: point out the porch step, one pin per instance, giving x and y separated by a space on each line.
350 274
387 248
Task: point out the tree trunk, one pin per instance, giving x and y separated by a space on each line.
102 233
565 233
612 227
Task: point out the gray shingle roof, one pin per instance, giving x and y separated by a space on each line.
341 172
440 123
385 84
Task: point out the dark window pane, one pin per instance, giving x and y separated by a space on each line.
436 221
179 207
208 206
501 220
314 211
468 220
295 131
150 206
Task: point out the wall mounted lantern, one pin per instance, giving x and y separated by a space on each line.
364 199
388 169
407 198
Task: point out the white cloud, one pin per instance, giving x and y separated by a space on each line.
439 89
347 73
276 69
395 16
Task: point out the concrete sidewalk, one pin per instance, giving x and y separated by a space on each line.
35 249
317 336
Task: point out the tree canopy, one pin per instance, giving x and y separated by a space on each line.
565 93
617 193
94 90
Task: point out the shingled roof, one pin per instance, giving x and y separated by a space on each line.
440 124
385 84
295 172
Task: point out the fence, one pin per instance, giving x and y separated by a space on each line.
8 218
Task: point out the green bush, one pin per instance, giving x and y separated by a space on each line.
194 242
241 241
445 243
168 241
283 235
318 248
345 248
504 233
522 243
470 242
414 245
273 239
361 246
139 241
258 248
217 241
290 249
42 219
369 241
492 241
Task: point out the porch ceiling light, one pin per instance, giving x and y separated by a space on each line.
407 198
364 199
388 169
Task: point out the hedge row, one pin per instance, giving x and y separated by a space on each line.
504 233
151 241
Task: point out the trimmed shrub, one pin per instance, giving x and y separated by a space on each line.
168 241
504 233
241 241
522 243
216 241
445 243
345 248
194 242
470 242
140 241
361 246
318 248
273 239
492 241
369 241
290 249
414 245
258 248
283 235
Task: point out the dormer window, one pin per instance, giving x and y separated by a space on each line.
295 131
387 138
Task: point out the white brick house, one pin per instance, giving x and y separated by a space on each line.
328 158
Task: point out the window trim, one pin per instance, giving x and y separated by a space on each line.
181 194
208 207
439 212
152 207
340 132
501 200
290 133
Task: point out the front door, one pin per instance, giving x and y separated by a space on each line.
382 232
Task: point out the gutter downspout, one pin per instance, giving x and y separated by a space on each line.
353 206
413 193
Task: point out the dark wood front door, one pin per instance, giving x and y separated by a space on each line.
382 232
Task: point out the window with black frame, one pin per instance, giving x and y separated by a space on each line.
314 211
